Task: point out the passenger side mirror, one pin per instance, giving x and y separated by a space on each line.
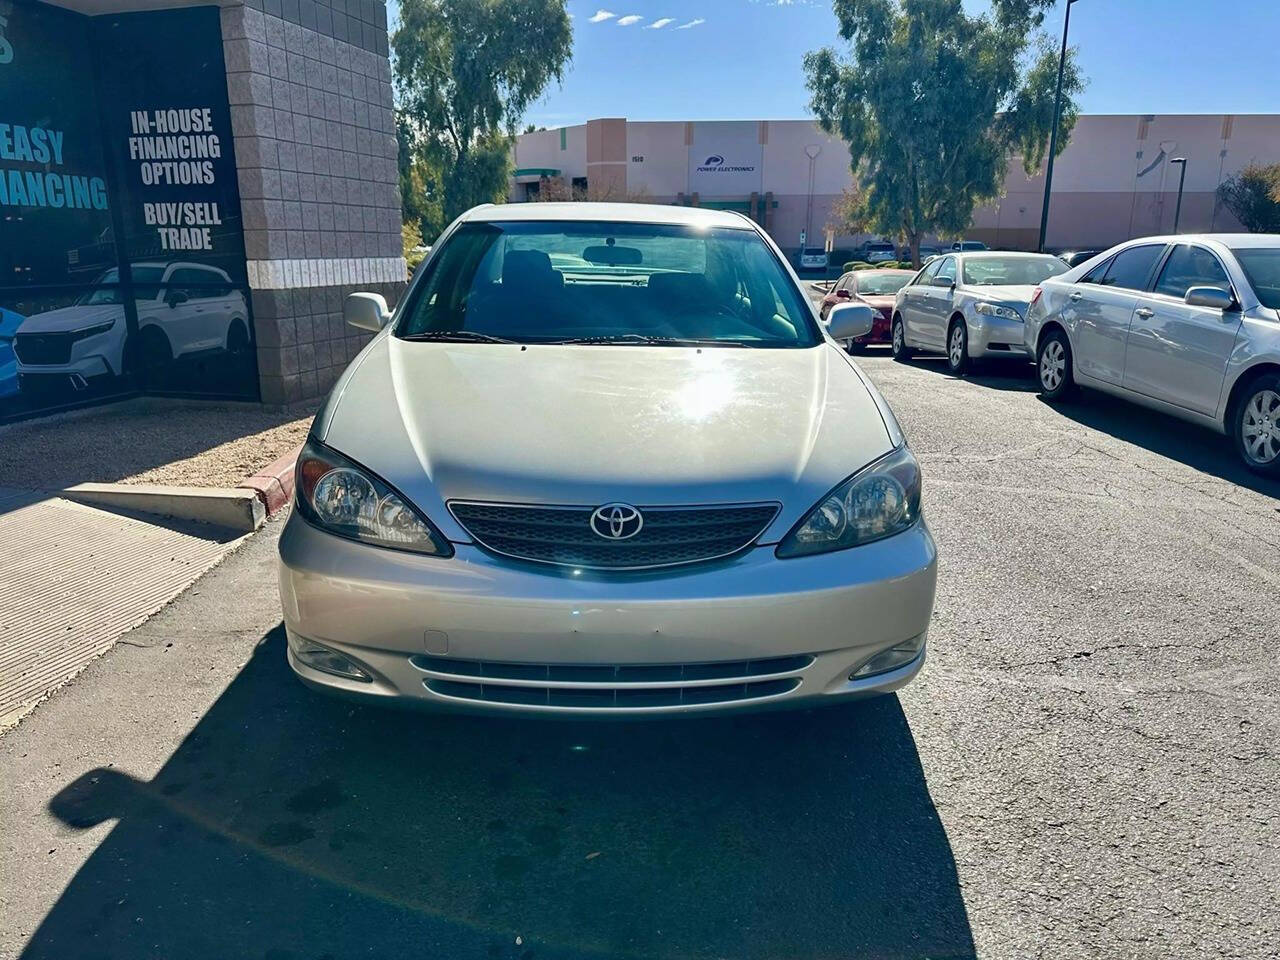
947 282
849 321
843 295
366 311
1215 298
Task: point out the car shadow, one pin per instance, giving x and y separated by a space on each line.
1195 446
997 373
292 825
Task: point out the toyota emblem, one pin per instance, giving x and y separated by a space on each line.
616 521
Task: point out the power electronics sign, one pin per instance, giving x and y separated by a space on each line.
725 159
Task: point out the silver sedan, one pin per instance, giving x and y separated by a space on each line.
1188 325
604 460
969 305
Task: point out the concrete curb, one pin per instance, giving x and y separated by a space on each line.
273 484
239 510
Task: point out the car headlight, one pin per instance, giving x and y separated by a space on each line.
878 501
344 498
997 310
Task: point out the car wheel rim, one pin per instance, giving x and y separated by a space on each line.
1053 365
957 346
897 337
1260 428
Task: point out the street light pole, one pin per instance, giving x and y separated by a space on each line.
1182 179
1053 134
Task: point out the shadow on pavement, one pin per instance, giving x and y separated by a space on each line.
291 825
1197 447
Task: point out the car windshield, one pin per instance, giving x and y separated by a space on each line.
1262 266
1013 271
882 284
597 282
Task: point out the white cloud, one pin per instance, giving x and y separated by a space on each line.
601 15
660 23
691 24
629 19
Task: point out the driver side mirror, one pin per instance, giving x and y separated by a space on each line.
849 321
947 282
1215 298
366 311
843 295
175 297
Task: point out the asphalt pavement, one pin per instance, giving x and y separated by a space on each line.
1086 767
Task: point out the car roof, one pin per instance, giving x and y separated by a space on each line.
1002 254
1225 239
614 212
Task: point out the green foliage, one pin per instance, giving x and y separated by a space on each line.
1253 196
465 72
932 101
856 265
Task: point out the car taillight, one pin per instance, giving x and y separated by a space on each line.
1035 295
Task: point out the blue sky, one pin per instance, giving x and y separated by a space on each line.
742 58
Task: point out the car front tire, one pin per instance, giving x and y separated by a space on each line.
898 342
1054 366
1256 425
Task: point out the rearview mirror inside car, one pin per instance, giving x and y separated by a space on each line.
1213 297
849 321
366 311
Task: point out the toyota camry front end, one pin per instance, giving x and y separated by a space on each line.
604 461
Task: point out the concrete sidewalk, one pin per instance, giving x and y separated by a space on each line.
75 578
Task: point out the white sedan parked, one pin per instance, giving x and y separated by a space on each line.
968 306
1188 325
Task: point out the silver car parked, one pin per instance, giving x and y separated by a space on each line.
604 460
968 306
1188 325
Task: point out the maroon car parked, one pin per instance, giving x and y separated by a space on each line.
876 288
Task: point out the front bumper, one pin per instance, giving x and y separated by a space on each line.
405 619
995 337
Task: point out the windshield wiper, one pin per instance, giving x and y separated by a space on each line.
640 339
456 336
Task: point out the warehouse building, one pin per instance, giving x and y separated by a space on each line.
1114 180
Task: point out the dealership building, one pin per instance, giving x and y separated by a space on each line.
188 190
1114 180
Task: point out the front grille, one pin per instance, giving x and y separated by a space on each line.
563 535
38 348
610 686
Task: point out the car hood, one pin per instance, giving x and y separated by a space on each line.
583 425
1018 293
67 319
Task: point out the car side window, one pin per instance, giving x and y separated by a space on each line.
926 275
947 269
1097 273
1131 269
1189 267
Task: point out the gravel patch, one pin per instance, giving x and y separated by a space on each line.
149 440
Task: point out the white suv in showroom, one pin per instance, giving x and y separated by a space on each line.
183 309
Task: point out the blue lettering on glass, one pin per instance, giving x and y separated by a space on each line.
6 48
44 188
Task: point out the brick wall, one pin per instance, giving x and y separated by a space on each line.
309 85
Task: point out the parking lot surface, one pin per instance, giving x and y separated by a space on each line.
1086 767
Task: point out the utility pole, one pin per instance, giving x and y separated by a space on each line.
1053 134
1182 179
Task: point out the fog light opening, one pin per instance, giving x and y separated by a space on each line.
899 655
319 657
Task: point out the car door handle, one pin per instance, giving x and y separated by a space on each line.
1076 296
1143 312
